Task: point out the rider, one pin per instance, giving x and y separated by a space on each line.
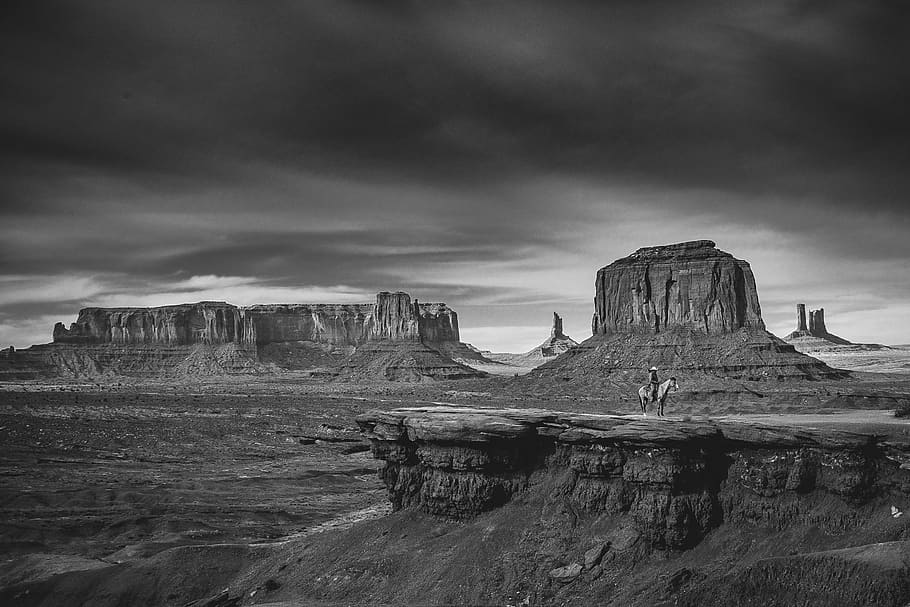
652 379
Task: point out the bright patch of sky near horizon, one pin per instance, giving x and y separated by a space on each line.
489 156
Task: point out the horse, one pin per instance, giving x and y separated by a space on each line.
644 395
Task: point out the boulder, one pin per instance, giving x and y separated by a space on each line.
566 574
595 555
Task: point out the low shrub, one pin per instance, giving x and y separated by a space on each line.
903 409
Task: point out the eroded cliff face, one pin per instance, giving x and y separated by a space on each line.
692 285
437 323
689 309
207 322
320 323
672 481
393 317
394 338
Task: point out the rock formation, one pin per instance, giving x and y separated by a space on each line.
288 336
801 319
558 342
689 309
511 364
816 326
206 322
692 285
392 317
562 493
813 338
817 322
669 475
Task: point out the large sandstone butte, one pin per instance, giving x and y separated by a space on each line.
393 337
690 309
690 285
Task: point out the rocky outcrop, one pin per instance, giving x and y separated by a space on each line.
558 342
392 317
335 324
817 322
673 481
689 309
206 322
413 338
815 327
505 363
691 285
437 323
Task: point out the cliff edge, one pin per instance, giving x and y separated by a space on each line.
597 507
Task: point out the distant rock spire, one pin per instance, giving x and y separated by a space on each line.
801 317
815 327
817 323
556 331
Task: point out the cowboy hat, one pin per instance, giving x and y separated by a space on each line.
653 369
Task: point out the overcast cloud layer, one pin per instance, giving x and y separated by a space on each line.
490 155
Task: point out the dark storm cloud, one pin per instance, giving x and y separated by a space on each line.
795 96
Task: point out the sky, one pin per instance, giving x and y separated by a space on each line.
492 155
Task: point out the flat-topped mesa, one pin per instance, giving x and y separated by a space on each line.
393 317
206 322
393 337
691 285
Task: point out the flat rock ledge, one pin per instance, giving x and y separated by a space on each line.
477 425
676 479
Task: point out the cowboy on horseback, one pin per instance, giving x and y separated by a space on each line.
654 382
648 393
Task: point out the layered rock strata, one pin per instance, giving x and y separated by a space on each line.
692 285
206 322
673 481
392 317
814 328
689 309
287 336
